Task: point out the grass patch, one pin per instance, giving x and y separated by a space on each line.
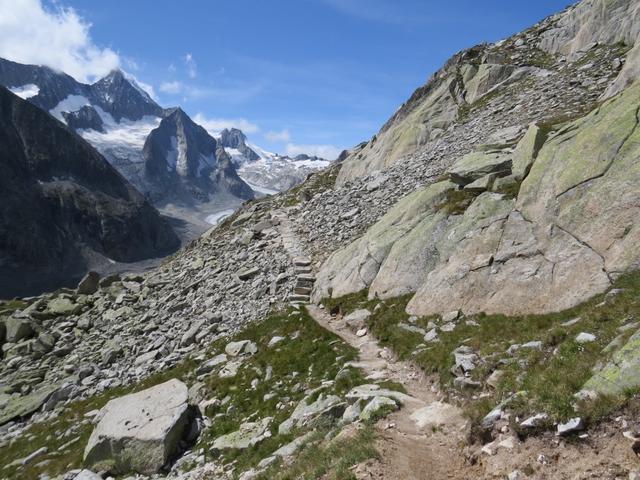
7 307
457 201
308 358
331 460
550 376
315 184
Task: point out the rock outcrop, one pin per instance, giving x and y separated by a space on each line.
571 228
63 196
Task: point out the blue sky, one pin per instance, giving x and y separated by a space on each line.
320 74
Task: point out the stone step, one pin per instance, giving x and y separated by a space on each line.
298 298
304 284
301 262
302 291
306 277
304 270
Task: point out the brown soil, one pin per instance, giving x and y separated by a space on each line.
441 452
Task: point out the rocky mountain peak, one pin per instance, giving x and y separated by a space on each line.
181 157
236 140
122 97
233 138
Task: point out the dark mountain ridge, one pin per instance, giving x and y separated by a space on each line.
63 205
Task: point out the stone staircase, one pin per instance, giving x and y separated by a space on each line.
301 263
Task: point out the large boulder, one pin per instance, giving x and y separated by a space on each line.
89 283
140 432
621 374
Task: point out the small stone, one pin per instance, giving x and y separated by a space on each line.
249 434
516 475
535 421
247 273
573 425
274 341
451 316
431 335
375 406
247 347
584 337
361 333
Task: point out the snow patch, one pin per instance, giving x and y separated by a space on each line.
72 103
26 91
216 218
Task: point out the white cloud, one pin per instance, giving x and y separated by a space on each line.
329 152
192 67
215 125
57 37
171 87
283 136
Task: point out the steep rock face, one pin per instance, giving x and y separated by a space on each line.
181 158
53 87
598 22
227 178
236 141
70 204
122 98
572 227
84 119
474 75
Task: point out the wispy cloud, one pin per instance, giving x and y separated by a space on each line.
56 37
239 93
282 136
192 67
215 125
377 10
330 152
171 88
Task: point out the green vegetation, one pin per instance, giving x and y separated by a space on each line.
330 460
309 356
457 201
541 59
7 307
315 184
550 376
308 359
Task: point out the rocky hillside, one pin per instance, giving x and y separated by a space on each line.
519 69
64 206
474 274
